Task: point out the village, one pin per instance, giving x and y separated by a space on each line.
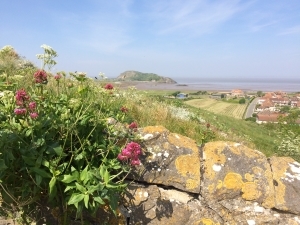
269 107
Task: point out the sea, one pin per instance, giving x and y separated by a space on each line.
245 85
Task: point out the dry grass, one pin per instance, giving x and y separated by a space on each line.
219 107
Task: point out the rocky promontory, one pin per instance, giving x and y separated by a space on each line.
139 76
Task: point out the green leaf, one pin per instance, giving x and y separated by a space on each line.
102 169
28 132
93 188
106 176
86 201
75 198
69 178
29 161
41 172
38 179
58 150
99 200
52 188
80 188
84 174
70 187
2 165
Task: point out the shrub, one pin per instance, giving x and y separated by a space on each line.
60 145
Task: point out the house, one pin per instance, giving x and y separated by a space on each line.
237 93
268 117
281 101
294 101
266 105
182 95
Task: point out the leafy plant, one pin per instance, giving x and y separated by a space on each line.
60 147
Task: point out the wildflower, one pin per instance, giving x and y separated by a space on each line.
20 111
208 125
108 87
135 162
32 106
133 126
40 77
124 109
21 96
33 115
122 157
57 77
131 153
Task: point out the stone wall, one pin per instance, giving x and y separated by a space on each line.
218 183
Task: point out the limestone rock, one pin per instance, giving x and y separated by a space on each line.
286 175
169 159
232 171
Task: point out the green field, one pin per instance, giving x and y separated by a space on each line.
219 107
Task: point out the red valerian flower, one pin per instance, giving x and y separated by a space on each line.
21 96
208 125
34 115
32 106
57 77
108 87
124 109
131 154
40 77
20 111
133 126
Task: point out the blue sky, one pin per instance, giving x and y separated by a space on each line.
203 39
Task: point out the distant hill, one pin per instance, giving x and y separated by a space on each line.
139 76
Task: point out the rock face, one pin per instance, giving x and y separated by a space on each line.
220 183
132 75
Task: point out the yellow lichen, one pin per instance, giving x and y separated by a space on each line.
191 184
279 167
269 201
257 170
213 154
154 129
206 221
182 141
233 181
211 188
188 165
250 191
220 184
235 149
249 177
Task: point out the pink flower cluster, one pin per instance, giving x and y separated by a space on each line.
40 77
57 77
131 154
133 126
23 101
109 87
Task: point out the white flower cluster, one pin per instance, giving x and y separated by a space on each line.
184 114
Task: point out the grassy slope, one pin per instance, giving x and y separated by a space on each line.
220 107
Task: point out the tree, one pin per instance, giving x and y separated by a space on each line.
175 93
242 101
259 93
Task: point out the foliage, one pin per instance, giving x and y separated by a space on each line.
290 144
259 93
242 101
60 144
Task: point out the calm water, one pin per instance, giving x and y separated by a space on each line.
250 85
